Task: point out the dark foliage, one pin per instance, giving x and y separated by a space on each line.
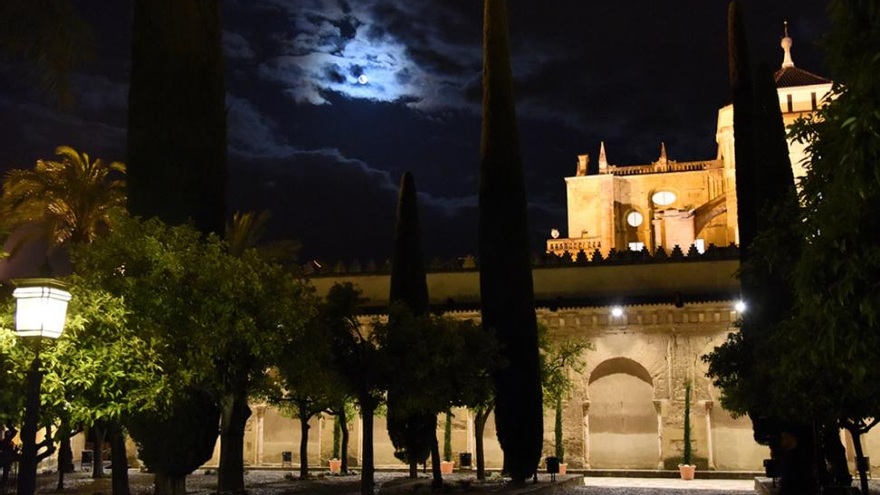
506 285
361 363
742 97
177 113
175 443
408 283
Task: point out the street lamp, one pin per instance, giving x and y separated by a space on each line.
40 311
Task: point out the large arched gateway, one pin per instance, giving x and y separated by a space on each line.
622 428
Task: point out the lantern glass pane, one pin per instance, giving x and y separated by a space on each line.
40 311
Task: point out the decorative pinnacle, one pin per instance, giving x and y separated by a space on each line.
786 46
603 160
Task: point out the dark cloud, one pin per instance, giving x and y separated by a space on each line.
236 46
324 152
343 209
31 131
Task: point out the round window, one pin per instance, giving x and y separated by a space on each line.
663 198
634 219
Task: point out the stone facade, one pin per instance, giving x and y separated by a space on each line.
627 407
626 410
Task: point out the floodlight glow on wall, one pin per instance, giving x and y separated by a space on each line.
740 307
40 307
617 311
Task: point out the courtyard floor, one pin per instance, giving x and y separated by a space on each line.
667 486
283 483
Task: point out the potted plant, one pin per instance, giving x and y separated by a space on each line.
446 465
336 462
560 447
686 468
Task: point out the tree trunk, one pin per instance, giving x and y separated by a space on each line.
60 486
413 469
166 484
835 455
119 458
860 459
435 464
479 429
303 445
65 453
343 448
798 462
98 433
233 419
367 467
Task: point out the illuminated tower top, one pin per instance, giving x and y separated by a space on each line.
786 46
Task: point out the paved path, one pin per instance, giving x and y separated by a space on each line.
668 485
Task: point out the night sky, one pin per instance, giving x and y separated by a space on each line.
330 101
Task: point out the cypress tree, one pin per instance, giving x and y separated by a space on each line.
408 283
177 113
507 293
177 135
742 96
557 431
767 216
767 278
744 124
413 434
688 448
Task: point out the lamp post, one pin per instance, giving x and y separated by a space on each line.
40 311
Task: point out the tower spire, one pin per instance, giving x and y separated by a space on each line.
663 159
603 160
786 46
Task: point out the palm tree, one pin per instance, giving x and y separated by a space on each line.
72 200
247 230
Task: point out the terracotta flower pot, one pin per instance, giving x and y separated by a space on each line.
562 466
687 471
335 466
446 467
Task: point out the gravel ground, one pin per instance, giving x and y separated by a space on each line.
199 483
275 483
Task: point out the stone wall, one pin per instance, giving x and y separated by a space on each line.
626 410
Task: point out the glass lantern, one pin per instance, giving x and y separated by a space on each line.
41 307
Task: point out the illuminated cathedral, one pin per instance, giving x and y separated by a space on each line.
667 203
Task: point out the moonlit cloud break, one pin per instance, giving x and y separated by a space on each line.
334 45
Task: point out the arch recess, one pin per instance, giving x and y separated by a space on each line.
621 365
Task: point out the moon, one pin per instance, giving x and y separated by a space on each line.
363 79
